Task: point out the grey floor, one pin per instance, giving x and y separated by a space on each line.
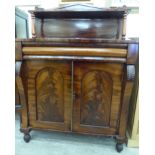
52 143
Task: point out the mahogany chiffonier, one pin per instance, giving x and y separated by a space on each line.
77 72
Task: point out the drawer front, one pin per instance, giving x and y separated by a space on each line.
97 93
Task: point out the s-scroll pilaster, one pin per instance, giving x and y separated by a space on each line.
22 93
129 76
128 82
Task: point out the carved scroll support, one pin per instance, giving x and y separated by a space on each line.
21 90
128 82
126 94
22 94
18 57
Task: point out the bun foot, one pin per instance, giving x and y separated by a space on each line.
119 147
27 138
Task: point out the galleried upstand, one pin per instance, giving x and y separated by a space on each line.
77 72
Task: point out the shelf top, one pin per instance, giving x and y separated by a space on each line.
80 11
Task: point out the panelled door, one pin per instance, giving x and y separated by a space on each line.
49 94
97 93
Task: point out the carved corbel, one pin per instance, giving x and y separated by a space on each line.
128 82
131 72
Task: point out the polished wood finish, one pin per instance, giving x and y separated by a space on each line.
108 52
101 28
129 75
133 119
80 85
18 49
17 99
22 89
97 90
77 42
49 96
132 56
133 126
21 31
77 9
73 58
18 57
78 20
110 74
88 96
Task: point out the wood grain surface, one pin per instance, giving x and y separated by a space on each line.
97 91
108 52
49 95
76 74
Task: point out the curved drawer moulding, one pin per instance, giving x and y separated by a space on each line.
75 51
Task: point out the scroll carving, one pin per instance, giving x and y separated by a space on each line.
130 72
22 93
126 95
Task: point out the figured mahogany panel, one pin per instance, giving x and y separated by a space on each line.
96 92
50 95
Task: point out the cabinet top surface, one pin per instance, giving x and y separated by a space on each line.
79 40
